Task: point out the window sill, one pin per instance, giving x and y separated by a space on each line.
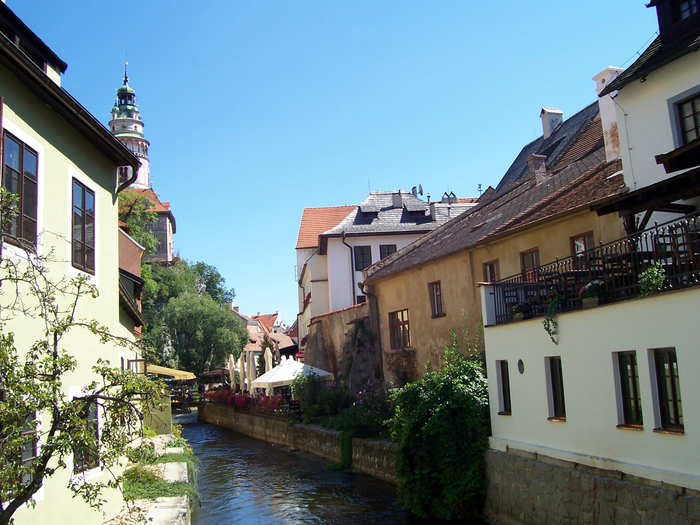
84 269
440 315
504 414
630 427
671 431
557 419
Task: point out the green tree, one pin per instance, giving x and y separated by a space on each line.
213 282
134 211
440 424
202 333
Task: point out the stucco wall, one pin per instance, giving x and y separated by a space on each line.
458 274
64 154
339 264
645 118
590 434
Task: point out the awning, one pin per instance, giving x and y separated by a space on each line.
286 372
170 372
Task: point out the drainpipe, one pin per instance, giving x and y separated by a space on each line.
352 270
129 181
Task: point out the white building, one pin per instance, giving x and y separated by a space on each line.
336 244
618 393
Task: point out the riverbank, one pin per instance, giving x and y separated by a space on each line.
376 458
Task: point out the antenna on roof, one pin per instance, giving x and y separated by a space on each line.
478 187
420 189
414 190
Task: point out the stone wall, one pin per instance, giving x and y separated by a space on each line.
527 488
376 458
373 457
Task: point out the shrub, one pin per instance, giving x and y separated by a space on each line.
651 280
440 424
317 400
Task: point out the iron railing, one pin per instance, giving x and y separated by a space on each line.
612 268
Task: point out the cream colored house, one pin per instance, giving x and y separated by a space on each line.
64 164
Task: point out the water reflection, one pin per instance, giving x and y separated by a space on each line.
243 480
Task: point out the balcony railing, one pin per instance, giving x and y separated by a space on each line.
612 269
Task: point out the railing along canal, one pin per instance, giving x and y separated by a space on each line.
611 270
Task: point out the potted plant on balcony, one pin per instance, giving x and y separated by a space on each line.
591 293
520 310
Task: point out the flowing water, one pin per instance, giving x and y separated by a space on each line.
243 480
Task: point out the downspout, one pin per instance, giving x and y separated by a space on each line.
129 181
352 270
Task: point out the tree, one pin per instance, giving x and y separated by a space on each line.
440 425
214 283
32 381
134 212
202 333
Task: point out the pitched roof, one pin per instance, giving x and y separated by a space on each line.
553 147
394 212
659 53
158 206
315 221
523 201
267 320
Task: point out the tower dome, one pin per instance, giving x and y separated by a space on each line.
127 126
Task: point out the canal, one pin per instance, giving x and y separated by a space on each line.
243 480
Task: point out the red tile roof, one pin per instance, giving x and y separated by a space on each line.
267 320
158 206
315 221
467 200
589 139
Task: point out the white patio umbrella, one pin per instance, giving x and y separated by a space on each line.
251 369
241 371
268 360
284 373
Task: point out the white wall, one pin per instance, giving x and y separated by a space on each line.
644 116
339 264
587 340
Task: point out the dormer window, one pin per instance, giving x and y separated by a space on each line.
683 9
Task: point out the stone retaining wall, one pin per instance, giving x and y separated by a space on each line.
526 488
374 457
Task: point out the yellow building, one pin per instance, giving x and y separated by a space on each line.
541 210
63 163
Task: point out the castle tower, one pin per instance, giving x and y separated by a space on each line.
127 126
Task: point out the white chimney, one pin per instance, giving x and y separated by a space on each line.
396 200
551 118
606 108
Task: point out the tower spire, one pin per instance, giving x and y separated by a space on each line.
126 77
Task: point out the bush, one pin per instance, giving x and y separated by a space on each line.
440 424
316 399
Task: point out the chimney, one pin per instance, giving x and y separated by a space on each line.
551 118
396 200
537 168
235 309
606 108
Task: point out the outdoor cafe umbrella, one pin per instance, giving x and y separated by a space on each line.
288 370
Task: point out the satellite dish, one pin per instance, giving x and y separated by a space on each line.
414 191
420 189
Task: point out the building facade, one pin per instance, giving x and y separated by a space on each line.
64 165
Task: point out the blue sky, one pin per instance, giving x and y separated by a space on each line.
256 110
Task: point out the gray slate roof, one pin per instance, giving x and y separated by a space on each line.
553 147
407 215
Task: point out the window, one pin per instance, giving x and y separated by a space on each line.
683 9
399 330
528 261
689 116
385 250
28 454
491 271
85 458
629 388
360 299
363 257
668 389
83 228
435 299
503 388
19 177
555 386
579 245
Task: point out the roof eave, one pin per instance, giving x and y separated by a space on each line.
64 104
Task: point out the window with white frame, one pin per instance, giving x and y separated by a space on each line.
627 389
555 388
503 388
667 389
